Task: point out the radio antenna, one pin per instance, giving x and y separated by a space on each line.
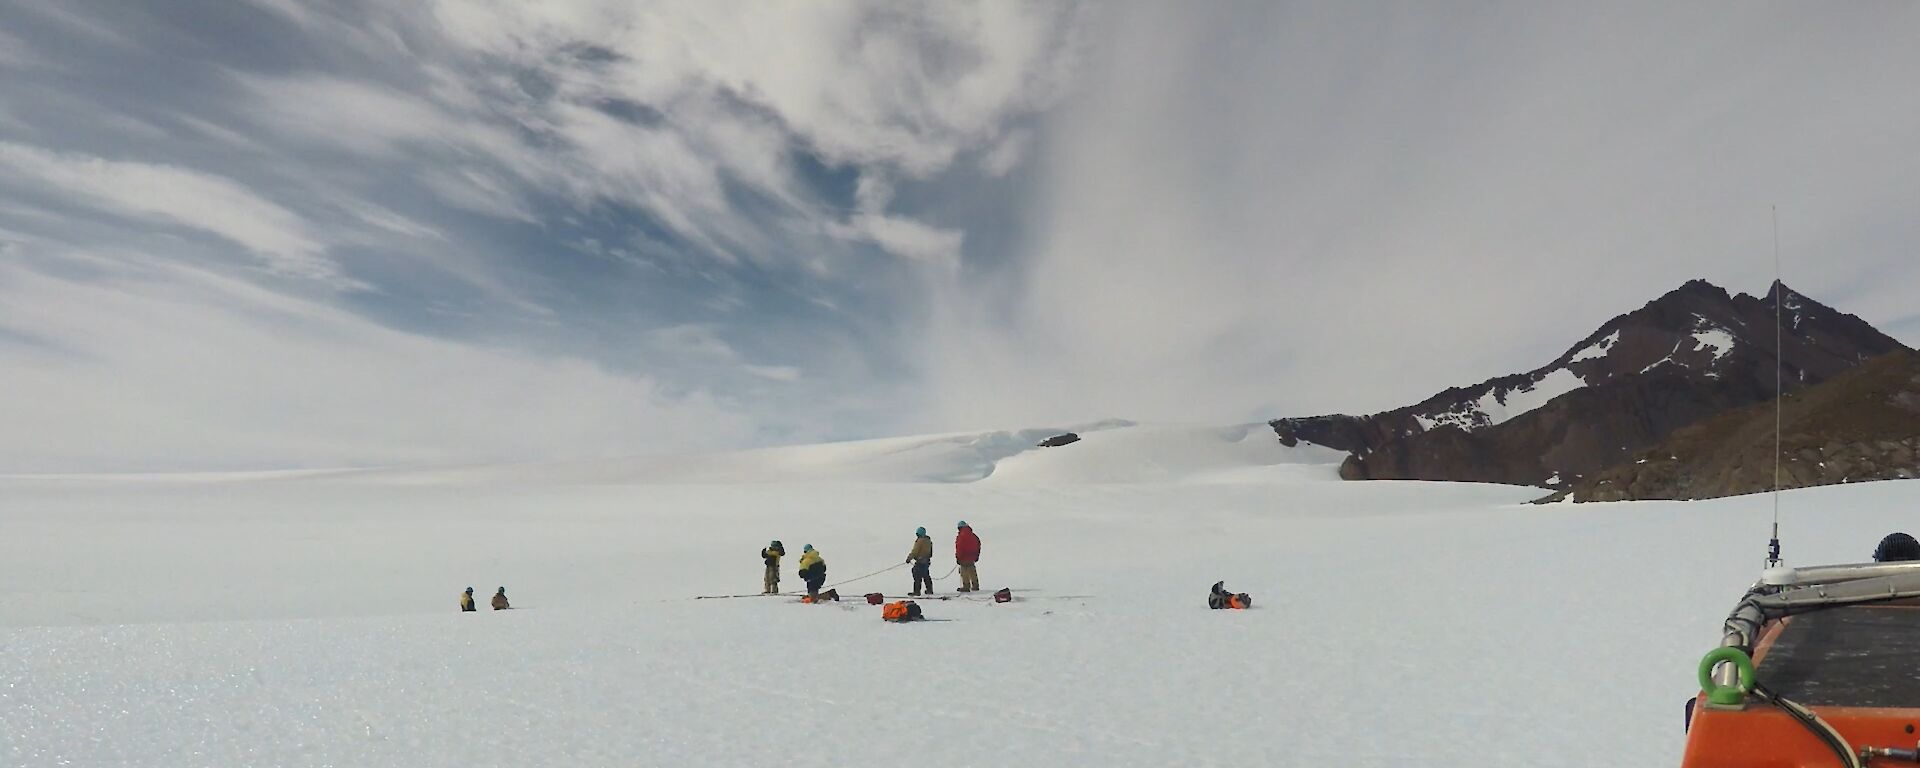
1779 393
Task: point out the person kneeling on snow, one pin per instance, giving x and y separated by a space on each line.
466 600
904 610
813 568
1220 598
500 600
1896 547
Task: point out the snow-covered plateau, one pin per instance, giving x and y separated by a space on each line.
308 619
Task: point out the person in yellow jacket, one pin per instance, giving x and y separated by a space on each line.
466 600
770 583
813 568
922 558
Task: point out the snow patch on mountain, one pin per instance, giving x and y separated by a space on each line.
1597 349
1665 360
1718 340
1499 406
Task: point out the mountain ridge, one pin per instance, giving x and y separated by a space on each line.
1691 353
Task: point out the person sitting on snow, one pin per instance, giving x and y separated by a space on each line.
466 600
771 556
922 558
1896 547
500 600
813 568
1219 598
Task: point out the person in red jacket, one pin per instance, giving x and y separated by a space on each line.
966 552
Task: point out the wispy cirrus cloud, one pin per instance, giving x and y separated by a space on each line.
170 195
147 358
840 219
636 208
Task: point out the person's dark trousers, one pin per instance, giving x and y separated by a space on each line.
923 574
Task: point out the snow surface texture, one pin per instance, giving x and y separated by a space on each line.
310 620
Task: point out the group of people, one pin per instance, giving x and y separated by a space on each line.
499 600
813 567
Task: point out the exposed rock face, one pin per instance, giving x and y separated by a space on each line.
1861 425
1693 353
1067 438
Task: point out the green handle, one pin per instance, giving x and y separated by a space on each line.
1730 695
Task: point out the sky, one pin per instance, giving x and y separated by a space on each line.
246 234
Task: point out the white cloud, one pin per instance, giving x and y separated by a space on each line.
16 54
903 237
859 82
732 93
780 373
1007 153
700 345
173 195
163 367
1249 212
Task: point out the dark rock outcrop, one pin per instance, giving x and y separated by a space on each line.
1056 441
1693 353
1861 425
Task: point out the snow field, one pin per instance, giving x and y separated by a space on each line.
312 622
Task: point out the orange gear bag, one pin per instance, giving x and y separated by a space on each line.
895 611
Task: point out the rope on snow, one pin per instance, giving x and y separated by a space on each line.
868 576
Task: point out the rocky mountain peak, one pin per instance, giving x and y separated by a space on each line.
1693 352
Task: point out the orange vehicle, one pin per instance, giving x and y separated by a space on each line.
1816 667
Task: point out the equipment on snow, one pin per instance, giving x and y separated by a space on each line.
1003 596
875 598
1219 598
831 595
904 610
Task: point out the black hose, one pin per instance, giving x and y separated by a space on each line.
1820 728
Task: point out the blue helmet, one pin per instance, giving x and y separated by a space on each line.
963 524
469 590
807 548
920 531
